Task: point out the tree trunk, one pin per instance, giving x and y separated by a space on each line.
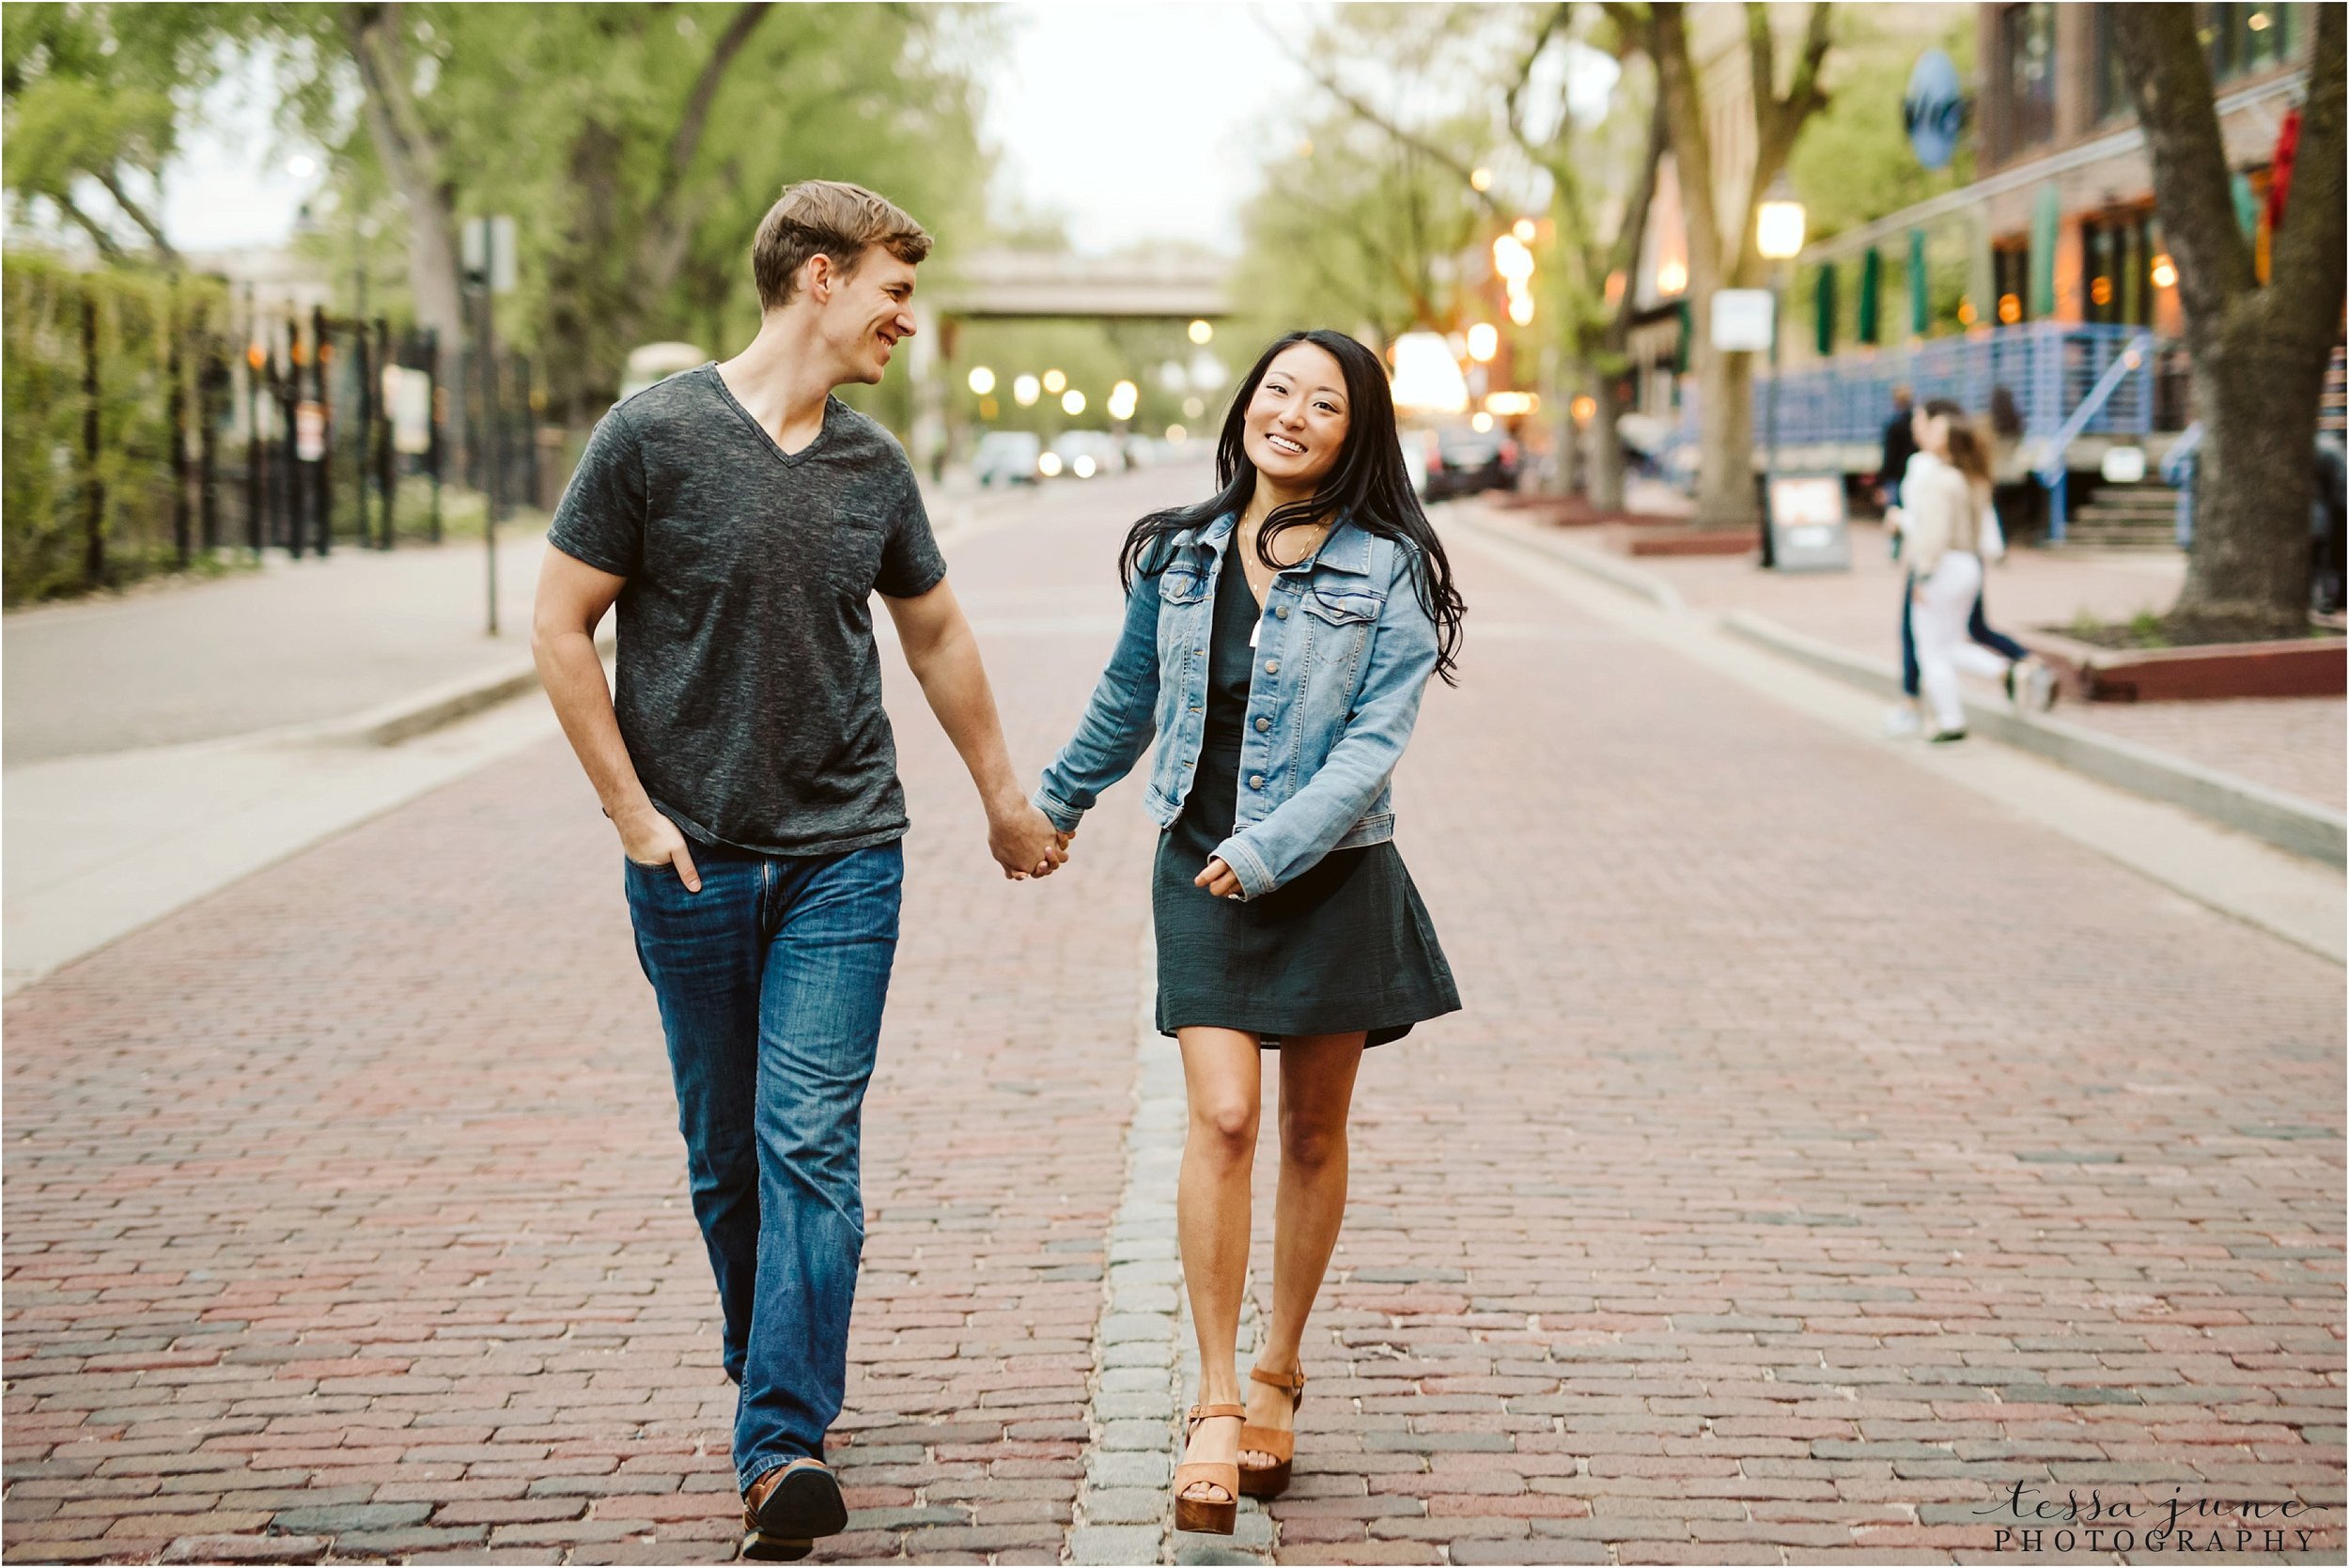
1569 475
2258 390
414 163
1606 466
2259 351
1726 496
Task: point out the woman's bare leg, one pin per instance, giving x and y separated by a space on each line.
1316 1094
1223 1079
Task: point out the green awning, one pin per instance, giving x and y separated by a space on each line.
1823 311
1871 296
2047 221
1920 296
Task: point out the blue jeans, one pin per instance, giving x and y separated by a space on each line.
771 982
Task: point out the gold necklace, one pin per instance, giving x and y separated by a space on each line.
1259 577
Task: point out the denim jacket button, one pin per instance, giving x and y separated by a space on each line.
1256 781
1281 611
1273 666
1263 724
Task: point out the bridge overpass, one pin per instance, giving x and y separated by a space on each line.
1003 285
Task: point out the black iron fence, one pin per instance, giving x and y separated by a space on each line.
153 423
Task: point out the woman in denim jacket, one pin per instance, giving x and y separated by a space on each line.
1281 695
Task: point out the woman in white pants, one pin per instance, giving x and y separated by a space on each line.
1942 503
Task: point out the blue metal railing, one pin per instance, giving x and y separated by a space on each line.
2048 368
2132 359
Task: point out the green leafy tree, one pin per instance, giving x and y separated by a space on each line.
1598 179
94 98
636 145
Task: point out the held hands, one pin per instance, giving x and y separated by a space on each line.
1219 880
650 838
1024 842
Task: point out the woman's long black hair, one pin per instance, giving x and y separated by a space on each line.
1368 486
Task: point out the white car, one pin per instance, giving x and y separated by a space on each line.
1087 454
1008 458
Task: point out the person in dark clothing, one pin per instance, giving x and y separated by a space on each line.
2326 535
1900 444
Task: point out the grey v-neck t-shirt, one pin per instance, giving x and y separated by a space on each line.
749 688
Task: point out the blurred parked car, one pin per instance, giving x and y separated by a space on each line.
654 363
1008 458
1454 457
1085 453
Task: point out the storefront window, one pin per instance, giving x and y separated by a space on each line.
2026 37
2010 274
2244 39
2117 261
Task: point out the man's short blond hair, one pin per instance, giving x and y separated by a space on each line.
832 218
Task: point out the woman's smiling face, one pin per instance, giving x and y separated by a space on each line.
1296 424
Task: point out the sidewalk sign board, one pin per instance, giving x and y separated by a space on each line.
1743 319
1809 528
409 395
309 430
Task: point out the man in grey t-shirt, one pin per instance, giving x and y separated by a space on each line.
742 518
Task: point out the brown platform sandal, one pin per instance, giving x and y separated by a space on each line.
1199 1514
1271 1480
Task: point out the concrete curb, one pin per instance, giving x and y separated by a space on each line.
2300 827
1134 1410
1590 563
421 712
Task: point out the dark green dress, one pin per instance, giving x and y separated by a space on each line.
1347 945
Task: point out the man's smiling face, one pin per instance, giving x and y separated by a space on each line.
868 311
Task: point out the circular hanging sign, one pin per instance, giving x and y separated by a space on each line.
1933 111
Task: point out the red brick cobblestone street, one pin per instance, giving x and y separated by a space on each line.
1822 1151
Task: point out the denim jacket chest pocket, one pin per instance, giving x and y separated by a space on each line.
1340 612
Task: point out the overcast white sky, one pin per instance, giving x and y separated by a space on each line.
1136 121
1143 119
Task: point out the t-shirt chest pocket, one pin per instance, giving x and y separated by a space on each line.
852 552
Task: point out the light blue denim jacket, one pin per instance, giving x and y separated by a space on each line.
1344 650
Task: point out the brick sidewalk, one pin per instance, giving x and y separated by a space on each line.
2294 744
1822 1152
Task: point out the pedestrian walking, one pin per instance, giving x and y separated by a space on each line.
742 518
1278 638
1900 444
2031 685
1943 503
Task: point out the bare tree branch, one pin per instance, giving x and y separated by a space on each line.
1363 109
108 246
112 180
667 234
1624 257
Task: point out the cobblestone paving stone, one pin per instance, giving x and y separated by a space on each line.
1822 1152
348 1204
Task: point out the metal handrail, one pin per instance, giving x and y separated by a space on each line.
2056 475
2140 349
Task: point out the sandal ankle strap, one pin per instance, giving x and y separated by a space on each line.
1210 1412
1292 1383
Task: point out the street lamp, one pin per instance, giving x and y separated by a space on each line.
1024 390
1778 235
981 380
